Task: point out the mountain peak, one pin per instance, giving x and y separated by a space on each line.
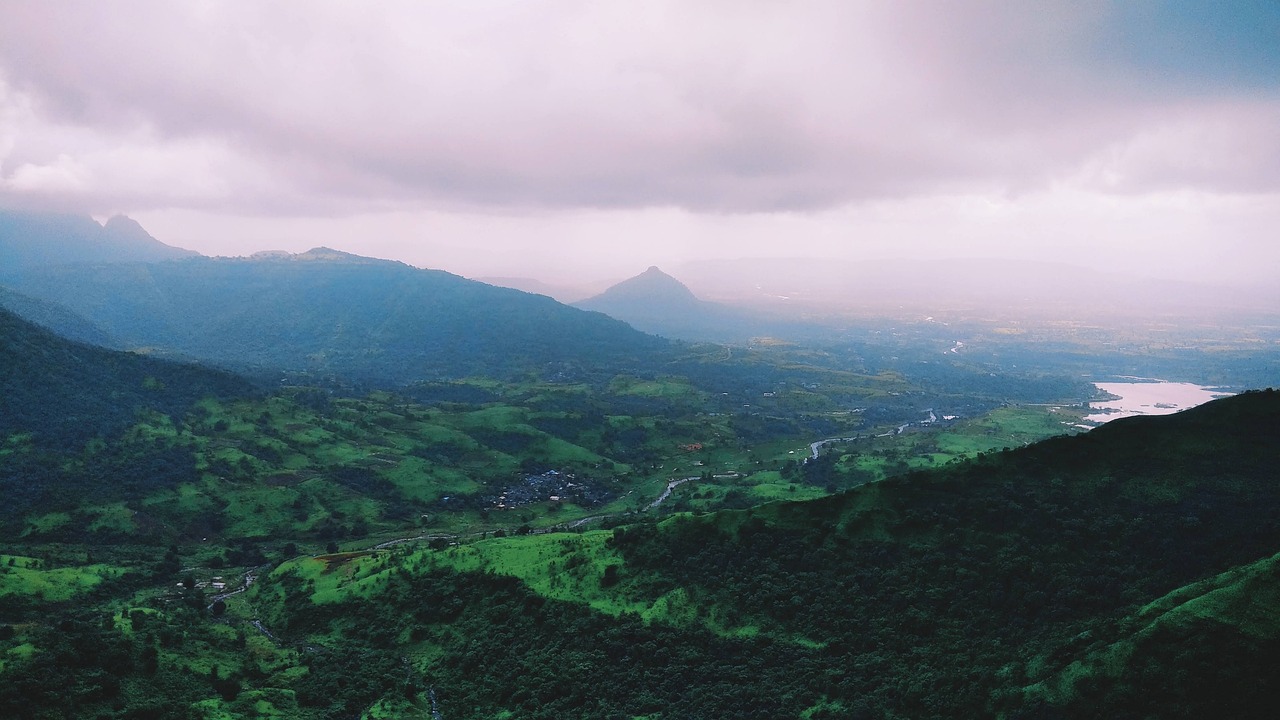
124 232
651 286
123 225
329 254
652 301
34 241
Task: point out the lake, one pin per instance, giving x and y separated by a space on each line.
1149 398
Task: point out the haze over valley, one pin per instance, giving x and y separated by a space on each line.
807 360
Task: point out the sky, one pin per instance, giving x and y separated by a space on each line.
570 140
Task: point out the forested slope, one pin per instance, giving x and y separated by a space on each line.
54 317
330 312
62 392
1128 572
937 594
58 396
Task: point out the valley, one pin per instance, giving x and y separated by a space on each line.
522 619
639 361
283 507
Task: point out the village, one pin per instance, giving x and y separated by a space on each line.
551 486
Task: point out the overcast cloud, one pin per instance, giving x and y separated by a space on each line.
567 137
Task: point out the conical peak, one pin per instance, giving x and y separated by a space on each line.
651 285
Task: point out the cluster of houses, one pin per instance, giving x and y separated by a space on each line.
552 486
215 583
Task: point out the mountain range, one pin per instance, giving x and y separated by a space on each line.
1127 572
325 311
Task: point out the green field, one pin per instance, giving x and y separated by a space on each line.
44 581
874 458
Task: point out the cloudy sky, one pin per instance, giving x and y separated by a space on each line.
568 138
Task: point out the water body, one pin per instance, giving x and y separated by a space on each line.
1149 398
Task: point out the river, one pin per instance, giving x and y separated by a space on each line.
1156 397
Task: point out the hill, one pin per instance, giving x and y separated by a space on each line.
55 318
657 303
1128 572
327 312
63 392
57 396
31 240
1215 643
931 595
990 576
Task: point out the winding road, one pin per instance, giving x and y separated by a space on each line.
815 448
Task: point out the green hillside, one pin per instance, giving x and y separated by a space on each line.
56 392
104 446
1128 572
1212 644
57 396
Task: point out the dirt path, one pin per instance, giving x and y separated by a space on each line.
667 493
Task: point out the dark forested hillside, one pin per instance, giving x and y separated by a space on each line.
56 395
54 317
330 312
944 594
63 393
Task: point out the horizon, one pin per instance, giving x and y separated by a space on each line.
806 287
